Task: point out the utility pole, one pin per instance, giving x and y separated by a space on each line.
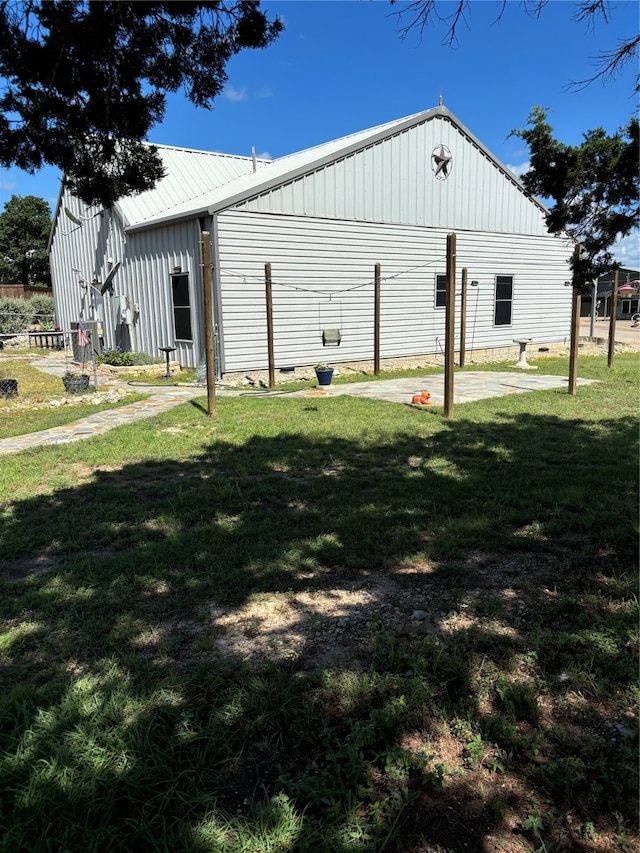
594 309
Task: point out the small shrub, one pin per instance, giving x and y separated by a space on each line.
117 358
43 312
143 358
15 315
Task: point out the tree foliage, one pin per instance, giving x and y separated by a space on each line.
85 81
421 13
594 187
25 225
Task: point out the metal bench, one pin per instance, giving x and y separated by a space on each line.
46 340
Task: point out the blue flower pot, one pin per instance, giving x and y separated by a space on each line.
324 376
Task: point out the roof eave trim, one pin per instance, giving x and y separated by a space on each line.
346 151
54 218
267 184
149 225
270 183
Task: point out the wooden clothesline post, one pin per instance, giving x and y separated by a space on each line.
376 322
449 338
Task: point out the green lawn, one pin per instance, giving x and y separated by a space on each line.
31 411
327 624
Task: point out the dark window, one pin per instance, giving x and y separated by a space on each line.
181 306
504 300
441 291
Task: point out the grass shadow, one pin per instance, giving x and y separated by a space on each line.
446 600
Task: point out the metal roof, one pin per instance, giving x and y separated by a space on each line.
282 169
189 174
249 184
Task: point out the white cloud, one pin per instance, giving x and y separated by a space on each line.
627 251
235 95
7 185
520 169
265 92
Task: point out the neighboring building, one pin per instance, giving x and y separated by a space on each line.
627 301
322 218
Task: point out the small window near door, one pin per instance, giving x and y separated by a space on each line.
181 306
441 291
504 300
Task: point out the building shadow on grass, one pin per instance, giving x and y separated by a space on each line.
299 643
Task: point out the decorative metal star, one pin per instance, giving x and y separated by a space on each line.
441 162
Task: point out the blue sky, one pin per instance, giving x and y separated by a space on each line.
341 66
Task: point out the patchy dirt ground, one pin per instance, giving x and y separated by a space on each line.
336 626
486 803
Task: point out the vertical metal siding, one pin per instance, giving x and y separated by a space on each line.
147 260
393 181
151 257
87 248
321 263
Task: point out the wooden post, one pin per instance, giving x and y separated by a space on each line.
449 339
575 339
272 368
207 298
376 322
463 319
575 325
612 318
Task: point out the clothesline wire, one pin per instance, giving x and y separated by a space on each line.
331 293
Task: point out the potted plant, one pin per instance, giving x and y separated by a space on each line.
8 387
324 374
75 383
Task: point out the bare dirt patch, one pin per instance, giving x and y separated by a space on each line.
489 797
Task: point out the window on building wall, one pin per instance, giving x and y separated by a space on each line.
181 306
504 300
441 291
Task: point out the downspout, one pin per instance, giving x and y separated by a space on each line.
217 297
210 224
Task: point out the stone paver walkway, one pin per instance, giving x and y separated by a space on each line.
477 385
101 422
160 400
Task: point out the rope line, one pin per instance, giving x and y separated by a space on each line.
330 293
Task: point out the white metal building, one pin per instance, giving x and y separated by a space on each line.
322 218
